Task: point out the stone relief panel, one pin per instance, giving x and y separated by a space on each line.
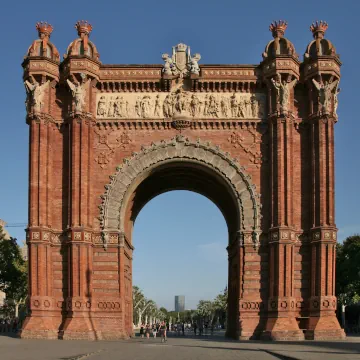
254 146
108 140
180 103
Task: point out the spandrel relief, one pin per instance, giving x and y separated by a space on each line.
180 102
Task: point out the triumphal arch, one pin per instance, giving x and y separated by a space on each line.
258 140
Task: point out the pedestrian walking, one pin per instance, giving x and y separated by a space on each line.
154 331
163 331
147 330
142 330
195 328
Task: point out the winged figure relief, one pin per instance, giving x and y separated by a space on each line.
78 92
35 94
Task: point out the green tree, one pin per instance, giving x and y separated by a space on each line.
13 272
220 302
348 270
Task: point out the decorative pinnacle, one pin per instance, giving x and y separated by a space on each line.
44 29
83 27
278 28
318 29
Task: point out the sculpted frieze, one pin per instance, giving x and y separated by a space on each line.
180 102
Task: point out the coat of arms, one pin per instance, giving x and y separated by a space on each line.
181 63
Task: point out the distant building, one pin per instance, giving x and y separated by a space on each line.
179 303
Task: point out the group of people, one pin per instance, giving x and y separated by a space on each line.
154 329
9 325
203 328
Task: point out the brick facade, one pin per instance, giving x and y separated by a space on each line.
258 140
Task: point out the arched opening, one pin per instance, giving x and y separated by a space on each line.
180 164
180 240
183 175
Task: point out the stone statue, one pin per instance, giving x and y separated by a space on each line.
35 92
78 92
169 67
325 94
283 92
194 66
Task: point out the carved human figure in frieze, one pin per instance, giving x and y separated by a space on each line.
101 110
168 106
241 109
206 104
234 106
325 94
111 107
120 107
195 105
157 108
224 104
146 106
247 105
213 109
35 95
138 106
194 66
254 107
78 90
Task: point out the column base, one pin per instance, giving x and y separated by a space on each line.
93 326
282 329
324 328
40 327
249 328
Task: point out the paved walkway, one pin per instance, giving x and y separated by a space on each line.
188 348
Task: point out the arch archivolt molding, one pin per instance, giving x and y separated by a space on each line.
114 200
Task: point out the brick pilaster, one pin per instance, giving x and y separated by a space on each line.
323 323
281 323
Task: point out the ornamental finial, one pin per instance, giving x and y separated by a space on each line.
318 29
278 28
44 29
83 27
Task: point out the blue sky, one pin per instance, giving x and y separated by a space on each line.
139 32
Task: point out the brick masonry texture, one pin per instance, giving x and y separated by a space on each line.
259 143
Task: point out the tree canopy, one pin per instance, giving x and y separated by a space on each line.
348 270
13 271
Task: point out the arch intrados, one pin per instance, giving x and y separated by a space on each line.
197 177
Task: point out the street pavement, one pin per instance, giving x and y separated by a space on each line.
177 348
